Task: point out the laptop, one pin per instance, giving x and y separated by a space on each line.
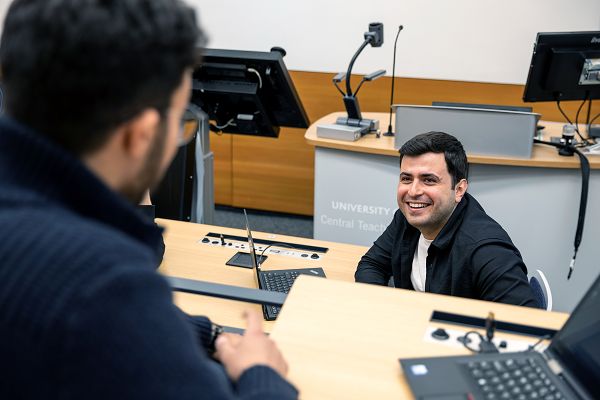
275 280
568 369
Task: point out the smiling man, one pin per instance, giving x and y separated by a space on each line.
441 240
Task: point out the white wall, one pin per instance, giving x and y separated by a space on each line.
471 40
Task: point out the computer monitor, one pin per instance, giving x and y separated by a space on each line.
247 92
565 66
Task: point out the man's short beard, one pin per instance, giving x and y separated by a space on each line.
150 175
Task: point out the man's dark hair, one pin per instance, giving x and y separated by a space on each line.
74 70
440 142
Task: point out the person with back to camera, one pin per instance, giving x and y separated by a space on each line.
94 94
441 240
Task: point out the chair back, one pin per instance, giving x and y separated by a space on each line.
541 290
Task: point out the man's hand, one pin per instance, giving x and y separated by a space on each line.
254 348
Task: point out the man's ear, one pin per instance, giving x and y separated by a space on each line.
139 133
460 189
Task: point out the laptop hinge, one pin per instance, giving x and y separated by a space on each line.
555 367
568 379
552 363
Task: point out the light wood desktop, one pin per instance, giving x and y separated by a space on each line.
343 340
187 258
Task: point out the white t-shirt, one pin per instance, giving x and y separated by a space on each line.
418 274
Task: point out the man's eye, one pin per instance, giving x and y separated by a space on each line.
404 179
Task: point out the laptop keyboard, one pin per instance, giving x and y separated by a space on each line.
282 281
518 378
279 281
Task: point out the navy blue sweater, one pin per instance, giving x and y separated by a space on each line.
83 313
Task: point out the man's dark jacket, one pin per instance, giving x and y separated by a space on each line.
472 257
83 312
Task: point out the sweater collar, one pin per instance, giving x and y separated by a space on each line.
32 164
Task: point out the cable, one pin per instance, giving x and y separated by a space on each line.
485 345
466 340
578 111
568 120
588 121
257 74
595 118
278 244
216 130
589 110
532 347
228 123
585 181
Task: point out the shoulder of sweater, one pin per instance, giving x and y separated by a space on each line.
65 244
67 262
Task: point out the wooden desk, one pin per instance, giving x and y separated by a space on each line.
343 340
186 258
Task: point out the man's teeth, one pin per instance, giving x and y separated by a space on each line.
417 205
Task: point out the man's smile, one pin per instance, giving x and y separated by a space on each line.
416 205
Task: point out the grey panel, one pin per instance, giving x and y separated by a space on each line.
355 195
486 132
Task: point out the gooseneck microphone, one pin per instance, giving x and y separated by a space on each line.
389 131
360 126
374 37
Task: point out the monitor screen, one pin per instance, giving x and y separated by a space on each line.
564 66
577 344
247 92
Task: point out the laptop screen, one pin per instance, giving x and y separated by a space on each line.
577 344
252 251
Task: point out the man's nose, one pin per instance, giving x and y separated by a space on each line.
415 189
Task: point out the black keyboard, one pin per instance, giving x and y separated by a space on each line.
516 379
282 281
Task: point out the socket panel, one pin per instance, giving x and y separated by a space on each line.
273 250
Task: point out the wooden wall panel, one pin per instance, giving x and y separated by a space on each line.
274 174
278 174
221 145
